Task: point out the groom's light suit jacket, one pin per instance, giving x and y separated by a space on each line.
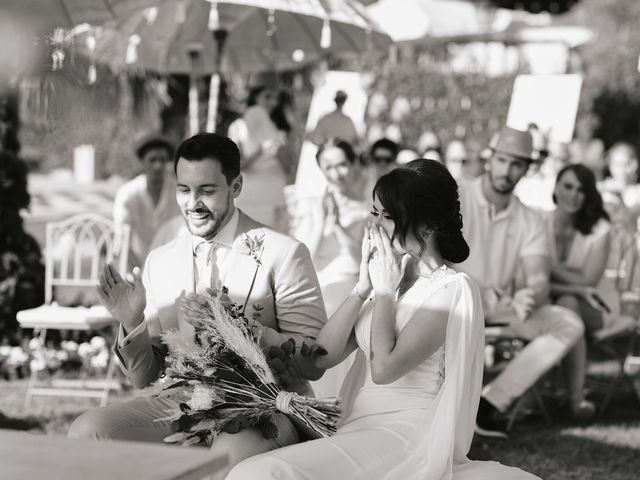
285 293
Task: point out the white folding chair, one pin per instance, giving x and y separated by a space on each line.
75 250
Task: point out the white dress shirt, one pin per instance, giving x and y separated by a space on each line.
223 243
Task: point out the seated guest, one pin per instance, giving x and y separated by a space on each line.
430 146
406 155
622 162
535 190
336 124
149 200
504 237
581 232
456 159
383 156
332 226
586 149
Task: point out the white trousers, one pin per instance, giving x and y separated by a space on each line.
552 331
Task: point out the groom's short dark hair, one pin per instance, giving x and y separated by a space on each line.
213 146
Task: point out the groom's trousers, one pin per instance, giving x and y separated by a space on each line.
552 331
144 419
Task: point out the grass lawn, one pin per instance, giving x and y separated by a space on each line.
607 449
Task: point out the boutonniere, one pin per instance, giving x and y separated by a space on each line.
254 246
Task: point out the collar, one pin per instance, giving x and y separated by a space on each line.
225 237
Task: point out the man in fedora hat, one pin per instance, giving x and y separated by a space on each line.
510 262
336 124
149 200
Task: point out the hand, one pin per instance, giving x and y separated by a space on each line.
385 265
330 207
364 282
270 148
592 297
124 299
195 307
523 303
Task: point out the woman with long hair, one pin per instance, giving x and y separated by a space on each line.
332 225
580 230
411 398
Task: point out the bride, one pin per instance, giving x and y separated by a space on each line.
411 398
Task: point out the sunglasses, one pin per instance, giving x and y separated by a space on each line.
382 159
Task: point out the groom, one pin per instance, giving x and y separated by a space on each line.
276 281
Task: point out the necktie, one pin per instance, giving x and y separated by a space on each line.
207 267
206 276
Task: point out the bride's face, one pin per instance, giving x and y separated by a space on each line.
381 218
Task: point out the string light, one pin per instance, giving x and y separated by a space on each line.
57 59
132 49
181 12
91 43
271 20
325 37
214 17
92 74
298 55
57 53
150 14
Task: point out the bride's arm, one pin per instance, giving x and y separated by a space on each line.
337 337
392 356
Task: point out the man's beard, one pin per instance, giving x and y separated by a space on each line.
218 221
504 190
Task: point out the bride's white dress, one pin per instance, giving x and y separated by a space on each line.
418 427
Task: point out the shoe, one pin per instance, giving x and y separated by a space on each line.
584 412
489 422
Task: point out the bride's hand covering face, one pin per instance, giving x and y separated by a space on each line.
385 265
364 282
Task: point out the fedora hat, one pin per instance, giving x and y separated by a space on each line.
513 142
152 140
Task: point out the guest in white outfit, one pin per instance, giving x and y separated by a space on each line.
149 200
332 226
260 140
508 241
411 397
382 158
581 235
622 161
335 124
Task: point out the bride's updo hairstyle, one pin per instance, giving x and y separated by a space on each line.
423 194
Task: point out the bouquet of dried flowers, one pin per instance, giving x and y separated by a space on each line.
225 382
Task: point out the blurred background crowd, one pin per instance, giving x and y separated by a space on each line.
90 117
